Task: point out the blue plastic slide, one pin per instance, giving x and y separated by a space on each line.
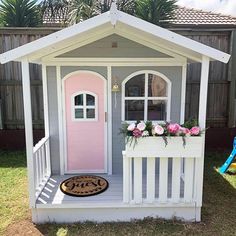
230 159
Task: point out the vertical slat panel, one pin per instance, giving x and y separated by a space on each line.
37 169
163 179
40 164
175 193
43 161
126 179
150 179
188 179
48 160
138 180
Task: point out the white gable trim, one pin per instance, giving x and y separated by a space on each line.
124 23
53 39
172 37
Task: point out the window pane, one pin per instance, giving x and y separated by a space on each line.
90 113
135 86
79 113
90 100
79 100
156 110
134 110
157 87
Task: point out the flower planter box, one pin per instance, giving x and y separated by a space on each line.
156 147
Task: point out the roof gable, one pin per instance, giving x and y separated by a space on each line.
109 23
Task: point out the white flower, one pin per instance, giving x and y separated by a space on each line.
141 126
131 127
158 130
145 133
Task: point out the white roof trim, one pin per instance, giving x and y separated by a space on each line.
114 14
65 37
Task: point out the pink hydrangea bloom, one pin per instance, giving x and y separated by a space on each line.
131 127
137 133
158 130
195 131
141 126
173 128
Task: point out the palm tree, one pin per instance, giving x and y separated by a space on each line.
157 12
20 13
80 10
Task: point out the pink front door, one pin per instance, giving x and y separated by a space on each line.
85 123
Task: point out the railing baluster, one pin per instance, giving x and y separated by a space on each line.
163 180
126 178
176 173
188 179
150 179
138 180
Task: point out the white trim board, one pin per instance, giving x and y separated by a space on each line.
125 23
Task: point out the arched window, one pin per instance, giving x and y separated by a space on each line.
84 106
146 96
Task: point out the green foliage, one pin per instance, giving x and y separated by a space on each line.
190 123
20 13
155 11
80 10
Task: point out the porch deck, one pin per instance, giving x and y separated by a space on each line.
52 196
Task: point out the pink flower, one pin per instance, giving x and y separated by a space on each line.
141 126
131 127
158 130
173 128
195 131
137 133
185 131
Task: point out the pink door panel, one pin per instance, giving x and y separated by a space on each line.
85 122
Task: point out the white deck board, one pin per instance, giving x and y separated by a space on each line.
52 194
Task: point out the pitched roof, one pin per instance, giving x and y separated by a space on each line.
182 17
113 22
186 16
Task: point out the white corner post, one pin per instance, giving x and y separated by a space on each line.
28 130
45 101
183 93
203 92
199 167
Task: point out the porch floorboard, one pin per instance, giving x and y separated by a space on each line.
52 195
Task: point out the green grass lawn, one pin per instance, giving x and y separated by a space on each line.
13 185
218 212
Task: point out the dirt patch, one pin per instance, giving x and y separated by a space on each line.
22 228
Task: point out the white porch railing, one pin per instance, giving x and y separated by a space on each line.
42 165
155 173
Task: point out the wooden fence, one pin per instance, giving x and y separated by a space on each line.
11 101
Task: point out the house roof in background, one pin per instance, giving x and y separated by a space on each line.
184 17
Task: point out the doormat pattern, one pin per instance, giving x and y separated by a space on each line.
84 185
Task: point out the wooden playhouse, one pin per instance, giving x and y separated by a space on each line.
97 74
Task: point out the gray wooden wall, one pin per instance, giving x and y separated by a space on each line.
11 103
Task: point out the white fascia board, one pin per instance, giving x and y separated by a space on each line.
172 37
49 41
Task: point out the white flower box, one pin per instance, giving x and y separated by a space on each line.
156 147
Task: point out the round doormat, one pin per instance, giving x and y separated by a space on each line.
84 185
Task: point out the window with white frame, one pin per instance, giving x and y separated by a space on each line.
146 96
84 106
